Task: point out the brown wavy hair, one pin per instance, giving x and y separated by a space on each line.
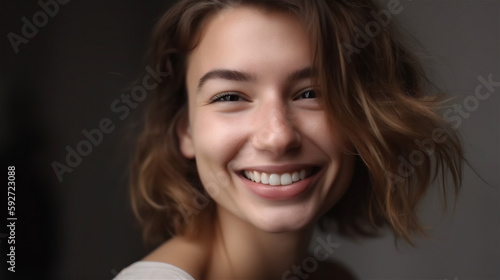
378 93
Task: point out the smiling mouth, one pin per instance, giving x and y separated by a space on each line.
278 179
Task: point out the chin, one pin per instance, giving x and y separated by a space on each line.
283 219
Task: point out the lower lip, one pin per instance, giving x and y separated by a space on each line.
279 192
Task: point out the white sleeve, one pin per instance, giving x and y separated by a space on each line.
143 270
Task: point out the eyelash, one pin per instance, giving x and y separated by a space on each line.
306 91
219 96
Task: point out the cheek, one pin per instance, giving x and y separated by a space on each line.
327 135
217 133
217 141
337 181
331 140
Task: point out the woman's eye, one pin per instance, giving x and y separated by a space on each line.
307 94
226 97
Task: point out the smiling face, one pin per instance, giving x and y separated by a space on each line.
264 148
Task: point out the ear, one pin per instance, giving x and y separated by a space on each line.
183 130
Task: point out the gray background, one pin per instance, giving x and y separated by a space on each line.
65 78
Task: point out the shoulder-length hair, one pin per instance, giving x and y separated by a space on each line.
371 84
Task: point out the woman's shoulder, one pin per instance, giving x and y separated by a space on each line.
181 257
152 270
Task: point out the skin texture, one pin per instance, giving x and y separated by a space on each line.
270 121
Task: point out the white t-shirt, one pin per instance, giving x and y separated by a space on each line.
146 270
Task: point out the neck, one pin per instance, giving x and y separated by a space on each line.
242 251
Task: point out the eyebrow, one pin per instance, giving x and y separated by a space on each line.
235 75
225 74
301 74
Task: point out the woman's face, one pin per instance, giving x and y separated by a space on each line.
263 145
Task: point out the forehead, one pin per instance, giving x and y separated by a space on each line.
249 38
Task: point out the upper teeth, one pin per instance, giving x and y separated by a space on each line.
274 179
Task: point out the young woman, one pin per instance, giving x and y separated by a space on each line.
273 119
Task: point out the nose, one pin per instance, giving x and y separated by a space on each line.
275 131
